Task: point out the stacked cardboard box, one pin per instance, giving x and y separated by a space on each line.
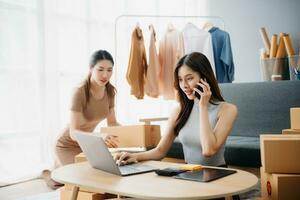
295 122
280 171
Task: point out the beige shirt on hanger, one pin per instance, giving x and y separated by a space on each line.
171 49
137 65
152 76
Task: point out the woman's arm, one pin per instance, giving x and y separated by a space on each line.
75 119
158 152
111 118
213 139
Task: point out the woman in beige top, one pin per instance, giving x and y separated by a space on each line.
92 102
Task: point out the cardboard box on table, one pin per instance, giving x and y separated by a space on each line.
280 153
280 186
147 136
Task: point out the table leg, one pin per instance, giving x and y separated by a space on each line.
74 193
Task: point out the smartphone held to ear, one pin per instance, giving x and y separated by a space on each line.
197 95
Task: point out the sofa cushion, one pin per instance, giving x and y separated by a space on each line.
176 150
242 151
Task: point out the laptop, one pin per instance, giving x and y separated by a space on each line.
99 156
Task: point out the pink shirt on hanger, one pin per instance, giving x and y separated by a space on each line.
153 70
171 49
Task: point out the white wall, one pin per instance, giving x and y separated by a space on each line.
244 18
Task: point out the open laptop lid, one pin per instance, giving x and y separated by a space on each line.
96 152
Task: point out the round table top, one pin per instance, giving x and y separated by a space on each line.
152 186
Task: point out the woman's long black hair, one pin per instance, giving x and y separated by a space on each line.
200 64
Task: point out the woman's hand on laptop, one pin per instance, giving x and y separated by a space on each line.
111 141
125 158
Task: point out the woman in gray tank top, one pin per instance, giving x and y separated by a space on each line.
202 121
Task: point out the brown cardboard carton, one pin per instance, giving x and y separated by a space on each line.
136 135
280 154
295 118
66 195
80 158
69 187
280 186
85 193
290 131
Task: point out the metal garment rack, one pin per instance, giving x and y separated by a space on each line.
156 17
215 20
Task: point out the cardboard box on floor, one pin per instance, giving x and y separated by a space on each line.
280 186
66 195
83 194
295 118
69 187
136 135
280 153
80 158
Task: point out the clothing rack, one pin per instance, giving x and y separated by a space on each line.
128 22
213 19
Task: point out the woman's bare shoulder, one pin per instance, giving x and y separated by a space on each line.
228 108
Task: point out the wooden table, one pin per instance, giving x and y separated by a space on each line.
151 186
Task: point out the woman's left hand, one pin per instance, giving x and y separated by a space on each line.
205 95
111 141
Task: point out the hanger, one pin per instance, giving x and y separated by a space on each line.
151 27
207 26
190 24
171 26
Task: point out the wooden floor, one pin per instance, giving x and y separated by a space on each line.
33 190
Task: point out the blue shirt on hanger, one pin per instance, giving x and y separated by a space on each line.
222 55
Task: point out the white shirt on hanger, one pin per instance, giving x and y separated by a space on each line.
198 40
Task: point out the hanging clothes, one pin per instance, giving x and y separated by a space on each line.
223 55
171 49
198 40
152 76
137 65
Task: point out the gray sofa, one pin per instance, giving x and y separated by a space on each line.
264 107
